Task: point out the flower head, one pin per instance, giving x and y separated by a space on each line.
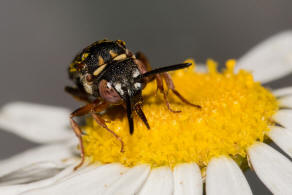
181 151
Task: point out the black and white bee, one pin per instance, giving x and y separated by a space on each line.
107 73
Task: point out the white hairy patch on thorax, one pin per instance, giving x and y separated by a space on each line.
137 85
118 87
136 73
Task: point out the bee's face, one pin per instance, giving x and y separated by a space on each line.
91 61
123 76
121 87
111 73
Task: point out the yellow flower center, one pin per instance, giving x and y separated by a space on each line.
236 112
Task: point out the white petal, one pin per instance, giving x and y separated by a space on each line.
283 138
89 182
284 117
38 123
187 179
52 153
225 177
32 173
17 189
159 182
274 170
270 59
130 182
286 101
283 91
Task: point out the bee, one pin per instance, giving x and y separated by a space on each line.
106 73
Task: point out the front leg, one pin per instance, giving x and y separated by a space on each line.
78 132
92 109
160 87
101 122
170 86
144 66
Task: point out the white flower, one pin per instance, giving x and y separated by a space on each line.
48 169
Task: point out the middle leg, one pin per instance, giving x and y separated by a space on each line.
144 66
170 86
160 87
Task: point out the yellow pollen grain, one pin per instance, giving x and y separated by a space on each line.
236 112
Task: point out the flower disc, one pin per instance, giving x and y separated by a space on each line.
236 112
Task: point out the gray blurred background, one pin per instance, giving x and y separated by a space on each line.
39 39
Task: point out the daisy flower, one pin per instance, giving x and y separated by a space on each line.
182 151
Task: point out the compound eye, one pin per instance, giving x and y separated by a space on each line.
108 93
89 78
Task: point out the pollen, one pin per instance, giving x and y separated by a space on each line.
236 112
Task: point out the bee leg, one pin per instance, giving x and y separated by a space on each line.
78 94
140 56
160 87
101 122
144 66
78 132
101 107
170 85
92 109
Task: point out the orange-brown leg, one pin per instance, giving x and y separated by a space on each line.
145 65
101 122
91 108
160 87
170 85
140 56
78 132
